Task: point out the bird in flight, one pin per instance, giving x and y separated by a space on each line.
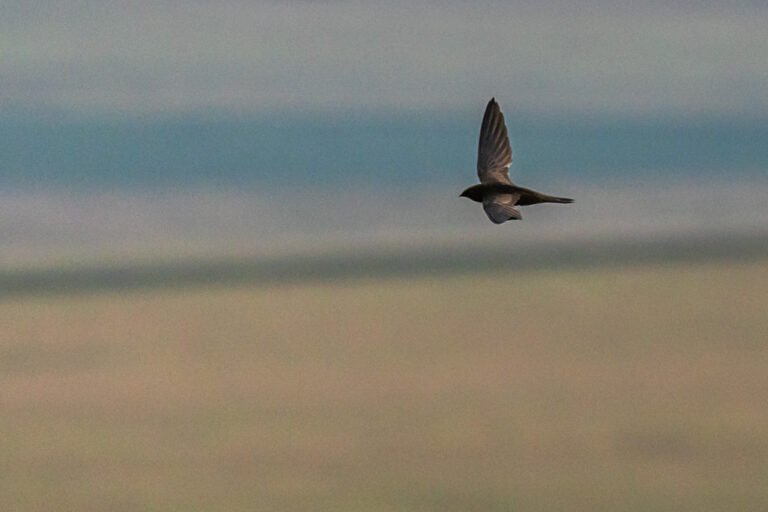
494 156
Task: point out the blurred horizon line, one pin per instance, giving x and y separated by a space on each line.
355 264
47 229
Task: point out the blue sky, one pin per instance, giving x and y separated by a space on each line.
185 128
595 57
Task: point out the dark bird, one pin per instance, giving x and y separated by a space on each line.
494 156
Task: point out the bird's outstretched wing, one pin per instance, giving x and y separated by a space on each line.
494 154
501 208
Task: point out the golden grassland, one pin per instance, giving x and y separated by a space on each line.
638 388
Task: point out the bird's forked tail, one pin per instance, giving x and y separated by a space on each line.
554 199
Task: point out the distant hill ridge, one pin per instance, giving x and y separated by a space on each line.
383 264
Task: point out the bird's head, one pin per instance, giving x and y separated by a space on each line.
474 193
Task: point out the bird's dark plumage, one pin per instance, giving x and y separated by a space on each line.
494 157
494 154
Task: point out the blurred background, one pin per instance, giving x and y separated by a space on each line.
235 273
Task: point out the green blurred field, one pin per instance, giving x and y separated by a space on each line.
640 388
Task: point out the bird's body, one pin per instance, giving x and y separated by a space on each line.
494 157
